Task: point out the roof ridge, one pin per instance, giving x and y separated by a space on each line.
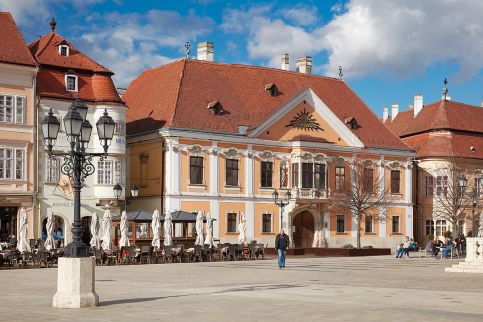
178 92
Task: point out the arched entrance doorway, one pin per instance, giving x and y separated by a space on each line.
86 230
303 232
59 234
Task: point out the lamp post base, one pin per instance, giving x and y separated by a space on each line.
76 283
474 257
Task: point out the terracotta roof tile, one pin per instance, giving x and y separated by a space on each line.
177 94
14 50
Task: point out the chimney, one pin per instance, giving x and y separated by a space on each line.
394 111
304 65
448 98
481 104
384 114
418 104
206 51
285 62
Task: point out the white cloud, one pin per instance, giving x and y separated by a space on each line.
129 43
391 37
300 14
26 11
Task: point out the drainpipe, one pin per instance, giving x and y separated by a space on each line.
35 121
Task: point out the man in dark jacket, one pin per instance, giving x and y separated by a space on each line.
281 244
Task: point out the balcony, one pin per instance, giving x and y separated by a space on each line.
310 193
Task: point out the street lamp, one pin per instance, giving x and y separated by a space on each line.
281 203
117 191
463 185
134 191
77 162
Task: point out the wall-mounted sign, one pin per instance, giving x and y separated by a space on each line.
305 121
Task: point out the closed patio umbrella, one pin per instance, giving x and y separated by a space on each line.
155 226
49 242
168 230
106 230
209 231
23 243
199 229
124 241
95 241
242 229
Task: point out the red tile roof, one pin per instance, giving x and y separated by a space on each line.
442 129
46 52
94 80
176 96
14 50
438 115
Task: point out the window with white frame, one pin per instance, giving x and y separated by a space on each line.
441 185
12 109
267 223
428 186
12 163
120 126
429 227
109 172
71 83
396 224
52 169
479 186
440 227
64 50
118 174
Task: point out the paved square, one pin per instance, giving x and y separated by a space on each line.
309 289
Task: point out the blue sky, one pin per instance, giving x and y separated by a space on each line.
389 50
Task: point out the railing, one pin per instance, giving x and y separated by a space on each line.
310 193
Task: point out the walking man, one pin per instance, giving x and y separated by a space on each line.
281 244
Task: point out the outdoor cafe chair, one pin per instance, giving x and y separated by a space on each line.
232 252
44 258
154 255
145 254
198 253
98 255
261 251
168 254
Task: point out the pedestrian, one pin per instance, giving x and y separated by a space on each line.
281 244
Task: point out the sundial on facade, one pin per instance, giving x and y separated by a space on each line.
304 120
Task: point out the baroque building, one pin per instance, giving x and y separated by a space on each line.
221 138
67 76
18 70
444 134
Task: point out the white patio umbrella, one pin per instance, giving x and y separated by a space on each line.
106 230
199 228
23 243
168 230
242 229
95 241
49 242
124 241
155 226
209 231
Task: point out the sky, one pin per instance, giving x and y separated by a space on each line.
389 50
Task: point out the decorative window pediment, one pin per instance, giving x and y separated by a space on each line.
232 153
266 155
195 150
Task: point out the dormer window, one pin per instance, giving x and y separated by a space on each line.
64 50
272 89
71 83
216 107
352 123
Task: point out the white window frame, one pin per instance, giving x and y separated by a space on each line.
52 171
103 168
14 109
67 52
236 222
120 127
271 223
13 167
76 83
441 185
118 176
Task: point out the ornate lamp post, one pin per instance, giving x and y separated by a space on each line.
463 185
134 191
281 203
77 162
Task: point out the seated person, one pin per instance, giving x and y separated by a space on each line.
403 249
412 245
446 251
436 246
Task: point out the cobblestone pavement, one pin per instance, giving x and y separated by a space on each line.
309 289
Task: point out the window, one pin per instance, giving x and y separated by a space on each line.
52 170
196 170
479 186
231 172
12 109
429 227
369 224
368 180
71 83
460 224
428 186
267 171
441 185
340 224
266 223
104 172
440 227
64 50
339 179
178 229
319 176
395 224
119 129
307 175
118 173
12 163
231 222
295 175
395 181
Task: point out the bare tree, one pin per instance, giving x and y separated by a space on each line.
451 197
364 195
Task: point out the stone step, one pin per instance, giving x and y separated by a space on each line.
469 264
464 270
